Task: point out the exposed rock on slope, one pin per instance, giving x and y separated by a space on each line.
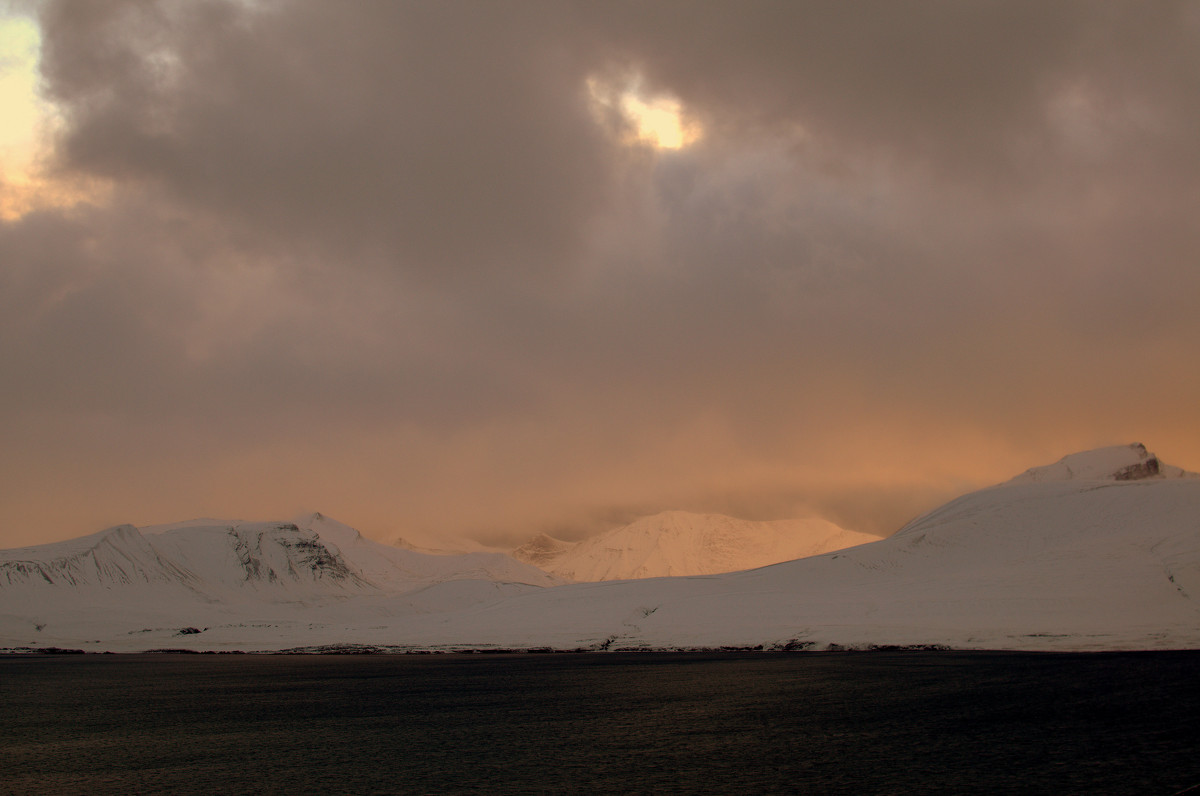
542 551
1116 463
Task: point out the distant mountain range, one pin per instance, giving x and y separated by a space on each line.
675 543
1100 550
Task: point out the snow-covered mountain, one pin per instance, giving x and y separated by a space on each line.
1117 463
674 543
542 550
396 569
207 570
1085 554
442 544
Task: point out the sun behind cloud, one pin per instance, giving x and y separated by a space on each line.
659 121
27 122
656 120
21 110
19 42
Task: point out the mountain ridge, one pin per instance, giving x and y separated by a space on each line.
1131 462
1089 561
681 543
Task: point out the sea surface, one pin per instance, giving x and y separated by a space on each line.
868 722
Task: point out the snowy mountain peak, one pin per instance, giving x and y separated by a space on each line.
329 529
541 550
117 555
1115 463
674 543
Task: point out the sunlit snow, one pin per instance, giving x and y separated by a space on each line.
1100 551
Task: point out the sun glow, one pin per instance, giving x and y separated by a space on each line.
659 121
26 124
655 120
19 43
20 108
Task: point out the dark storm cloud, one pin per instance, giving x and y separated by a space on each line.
386 259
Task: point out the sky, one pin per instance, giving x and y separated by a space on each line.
496 269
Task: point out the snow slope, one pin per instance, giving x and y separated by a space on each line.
213 572
1080 557
1086 560
675 543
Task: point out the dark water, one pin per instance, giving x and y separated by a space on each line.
905 722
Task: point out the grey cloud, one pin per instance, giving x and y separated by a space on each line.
382 257
131 311
438 138
964 90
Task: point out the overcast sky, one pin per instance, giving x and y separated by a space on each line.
501 268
